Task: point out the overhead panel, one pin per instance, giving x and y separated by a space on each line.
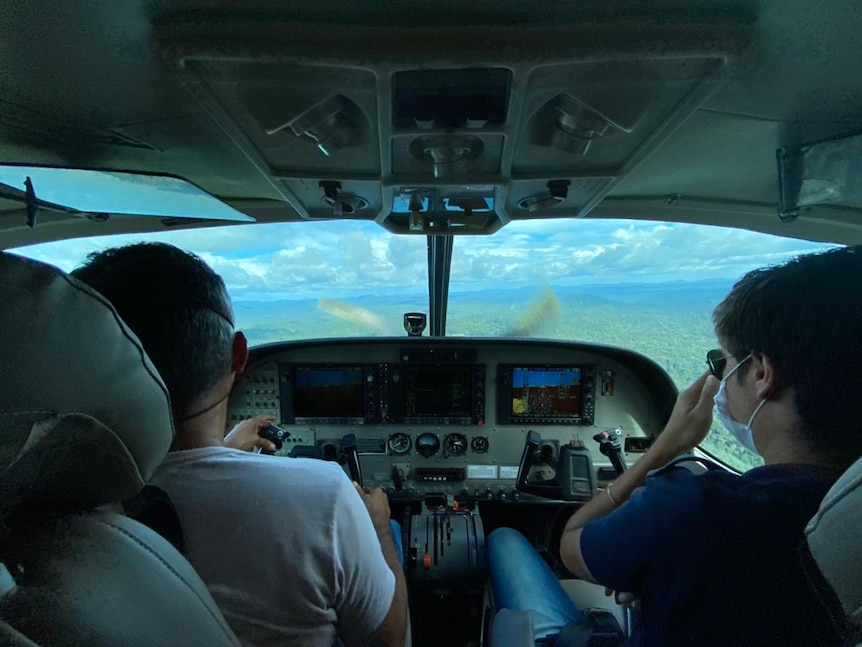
457 148
592 122
300 117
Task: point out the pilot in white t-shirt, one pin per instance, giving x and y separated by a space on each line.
285 546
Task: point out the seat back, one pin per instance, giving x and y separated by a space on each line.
84 422
833 538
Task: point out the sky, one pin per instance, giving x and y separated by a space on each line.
344 259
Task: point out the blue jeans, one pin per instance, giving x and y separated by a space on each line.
522 581
396 535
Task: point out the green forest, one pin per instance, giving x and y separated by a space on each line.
670 323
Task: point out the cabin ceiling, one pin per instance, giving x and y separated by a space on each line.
481 113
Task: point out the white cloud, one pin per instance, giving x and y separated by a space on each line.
582 256
348 259
584 251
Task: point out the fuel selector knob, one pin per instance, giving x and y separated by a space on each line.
502 495
489 495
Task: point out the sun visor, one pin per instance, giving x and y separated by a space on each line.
825 172
102 194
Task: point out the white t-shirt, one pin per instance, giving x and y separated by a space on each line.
285 546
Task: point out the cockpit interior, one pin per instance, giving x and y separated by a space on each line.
441 125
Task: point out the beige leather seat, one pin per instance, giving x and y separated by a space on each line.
834 538
84 421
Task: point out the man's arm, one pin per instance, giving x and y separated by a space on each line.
688 425
244 434
392 632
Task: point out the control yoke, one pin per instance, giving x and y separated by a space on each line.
574 479
351 458
609 445
274 433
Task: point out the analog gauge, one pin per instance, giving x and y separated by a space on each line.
479 444
399 444
427 444
455 444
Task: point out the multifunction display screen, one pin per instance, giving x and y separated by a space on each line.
546 394
438 391
327 392
422 393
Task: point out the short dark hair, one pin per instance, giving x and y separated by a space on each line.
806 316
177 306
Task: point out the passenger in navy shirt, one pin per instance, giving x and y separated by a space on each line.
713 557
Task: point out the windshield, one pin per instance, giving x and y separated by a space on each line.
647 286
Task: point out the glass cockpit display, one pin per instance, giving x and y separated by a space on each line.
443 393
546 394
421 393
328 394
438 390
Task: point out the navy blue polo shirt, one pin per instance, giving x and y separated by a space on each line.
715 557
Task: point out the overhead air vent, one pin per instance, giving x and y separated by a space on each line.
340 203
576 125
570 125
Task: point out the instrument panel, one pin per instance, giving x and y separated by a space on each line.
450 416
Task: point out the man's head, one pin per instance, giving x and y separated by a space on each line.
179 308
806 317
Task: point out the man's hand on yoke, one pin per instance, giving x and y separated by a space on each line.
244 435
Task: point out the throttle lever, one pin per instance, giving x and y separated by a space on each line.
351 457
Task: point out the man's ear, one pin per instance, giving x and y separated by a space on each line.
240 353
767 379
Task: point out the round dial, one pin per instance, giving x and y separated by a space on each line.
479 444
399 444
427 444
455 444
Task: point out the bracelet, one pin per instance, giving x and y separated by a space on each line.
611 496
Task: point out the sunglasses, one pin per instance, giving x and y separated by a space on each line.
716 360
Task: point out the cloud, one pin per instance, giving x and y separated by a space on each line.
351 258
583 251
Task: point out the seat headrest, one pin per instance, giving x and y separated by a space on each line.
834 536
84 415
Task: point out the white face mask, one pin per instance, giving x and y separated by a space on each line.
742 432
